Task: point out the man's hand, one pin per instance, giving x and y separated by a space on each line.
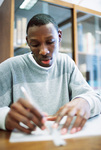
23 112
77 107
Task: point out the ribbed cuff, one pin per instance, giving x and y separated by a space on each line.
3 114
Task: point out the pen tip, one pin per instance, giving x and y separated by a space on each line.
23 89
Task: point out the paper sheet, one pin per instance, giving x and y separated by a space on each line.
91 128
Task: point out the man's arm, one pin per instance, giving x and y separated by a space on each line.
3 113
80 88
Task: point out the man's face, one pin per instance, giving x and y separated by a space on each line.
44 43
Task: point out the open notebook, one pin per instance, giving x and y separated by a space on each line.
91 128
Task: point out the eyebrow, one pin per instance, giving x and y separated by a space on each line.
33 40
46 38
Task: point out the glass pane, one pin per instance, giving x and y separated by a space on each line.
89 48
22 16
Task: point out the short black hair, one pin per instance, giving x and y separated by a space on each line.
41 19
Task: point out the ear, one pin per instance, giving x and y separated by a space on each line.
60 35
27 40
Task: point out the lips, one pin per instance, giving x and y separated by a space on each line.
46 61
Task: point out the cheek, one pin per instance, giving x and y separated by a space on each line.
35 52
55 47
55 50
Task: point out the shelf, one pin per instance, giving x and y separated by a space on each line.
85 53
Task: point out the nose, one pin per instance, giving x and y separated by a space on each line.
43 50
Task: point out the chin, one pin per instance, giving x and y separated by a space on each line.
45 65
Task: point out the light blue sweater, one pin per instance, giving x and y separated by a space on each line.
50 87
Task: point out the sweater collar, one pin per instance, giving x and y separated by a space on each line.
33 60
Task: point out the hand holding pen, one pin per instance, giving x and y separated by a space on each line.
23 111
29 113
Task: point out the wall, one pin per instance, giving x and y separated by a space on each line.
6 29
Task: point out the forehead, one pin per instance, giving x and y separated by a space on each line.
47 29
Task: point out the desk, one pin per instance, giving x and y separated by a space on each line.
85 143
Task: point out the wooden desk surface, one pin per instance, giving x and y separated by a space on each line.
86 143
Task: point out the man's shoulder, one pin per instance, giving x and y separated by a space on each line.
63 57
20 57
14 60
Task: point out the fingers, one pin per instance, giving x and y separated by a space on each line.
27 105
14 124
25 116
54 117
79 118
64 112
34 115
70 110
23 112
73 124
51 118
78 124
66 125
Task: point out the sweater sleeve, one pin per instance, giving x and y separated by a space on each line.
5 92
3 114
80 88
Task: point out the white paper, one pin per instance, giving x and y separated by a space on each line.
91 128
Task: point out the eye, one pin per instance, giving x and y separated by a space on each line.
34 44
52 41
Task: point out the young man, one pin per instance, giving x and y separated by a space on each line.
51 78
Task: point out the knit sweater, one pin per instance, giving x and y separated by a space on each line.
50 87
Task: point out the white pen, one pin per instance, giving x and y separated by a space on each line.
33 103
57 139
29 99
